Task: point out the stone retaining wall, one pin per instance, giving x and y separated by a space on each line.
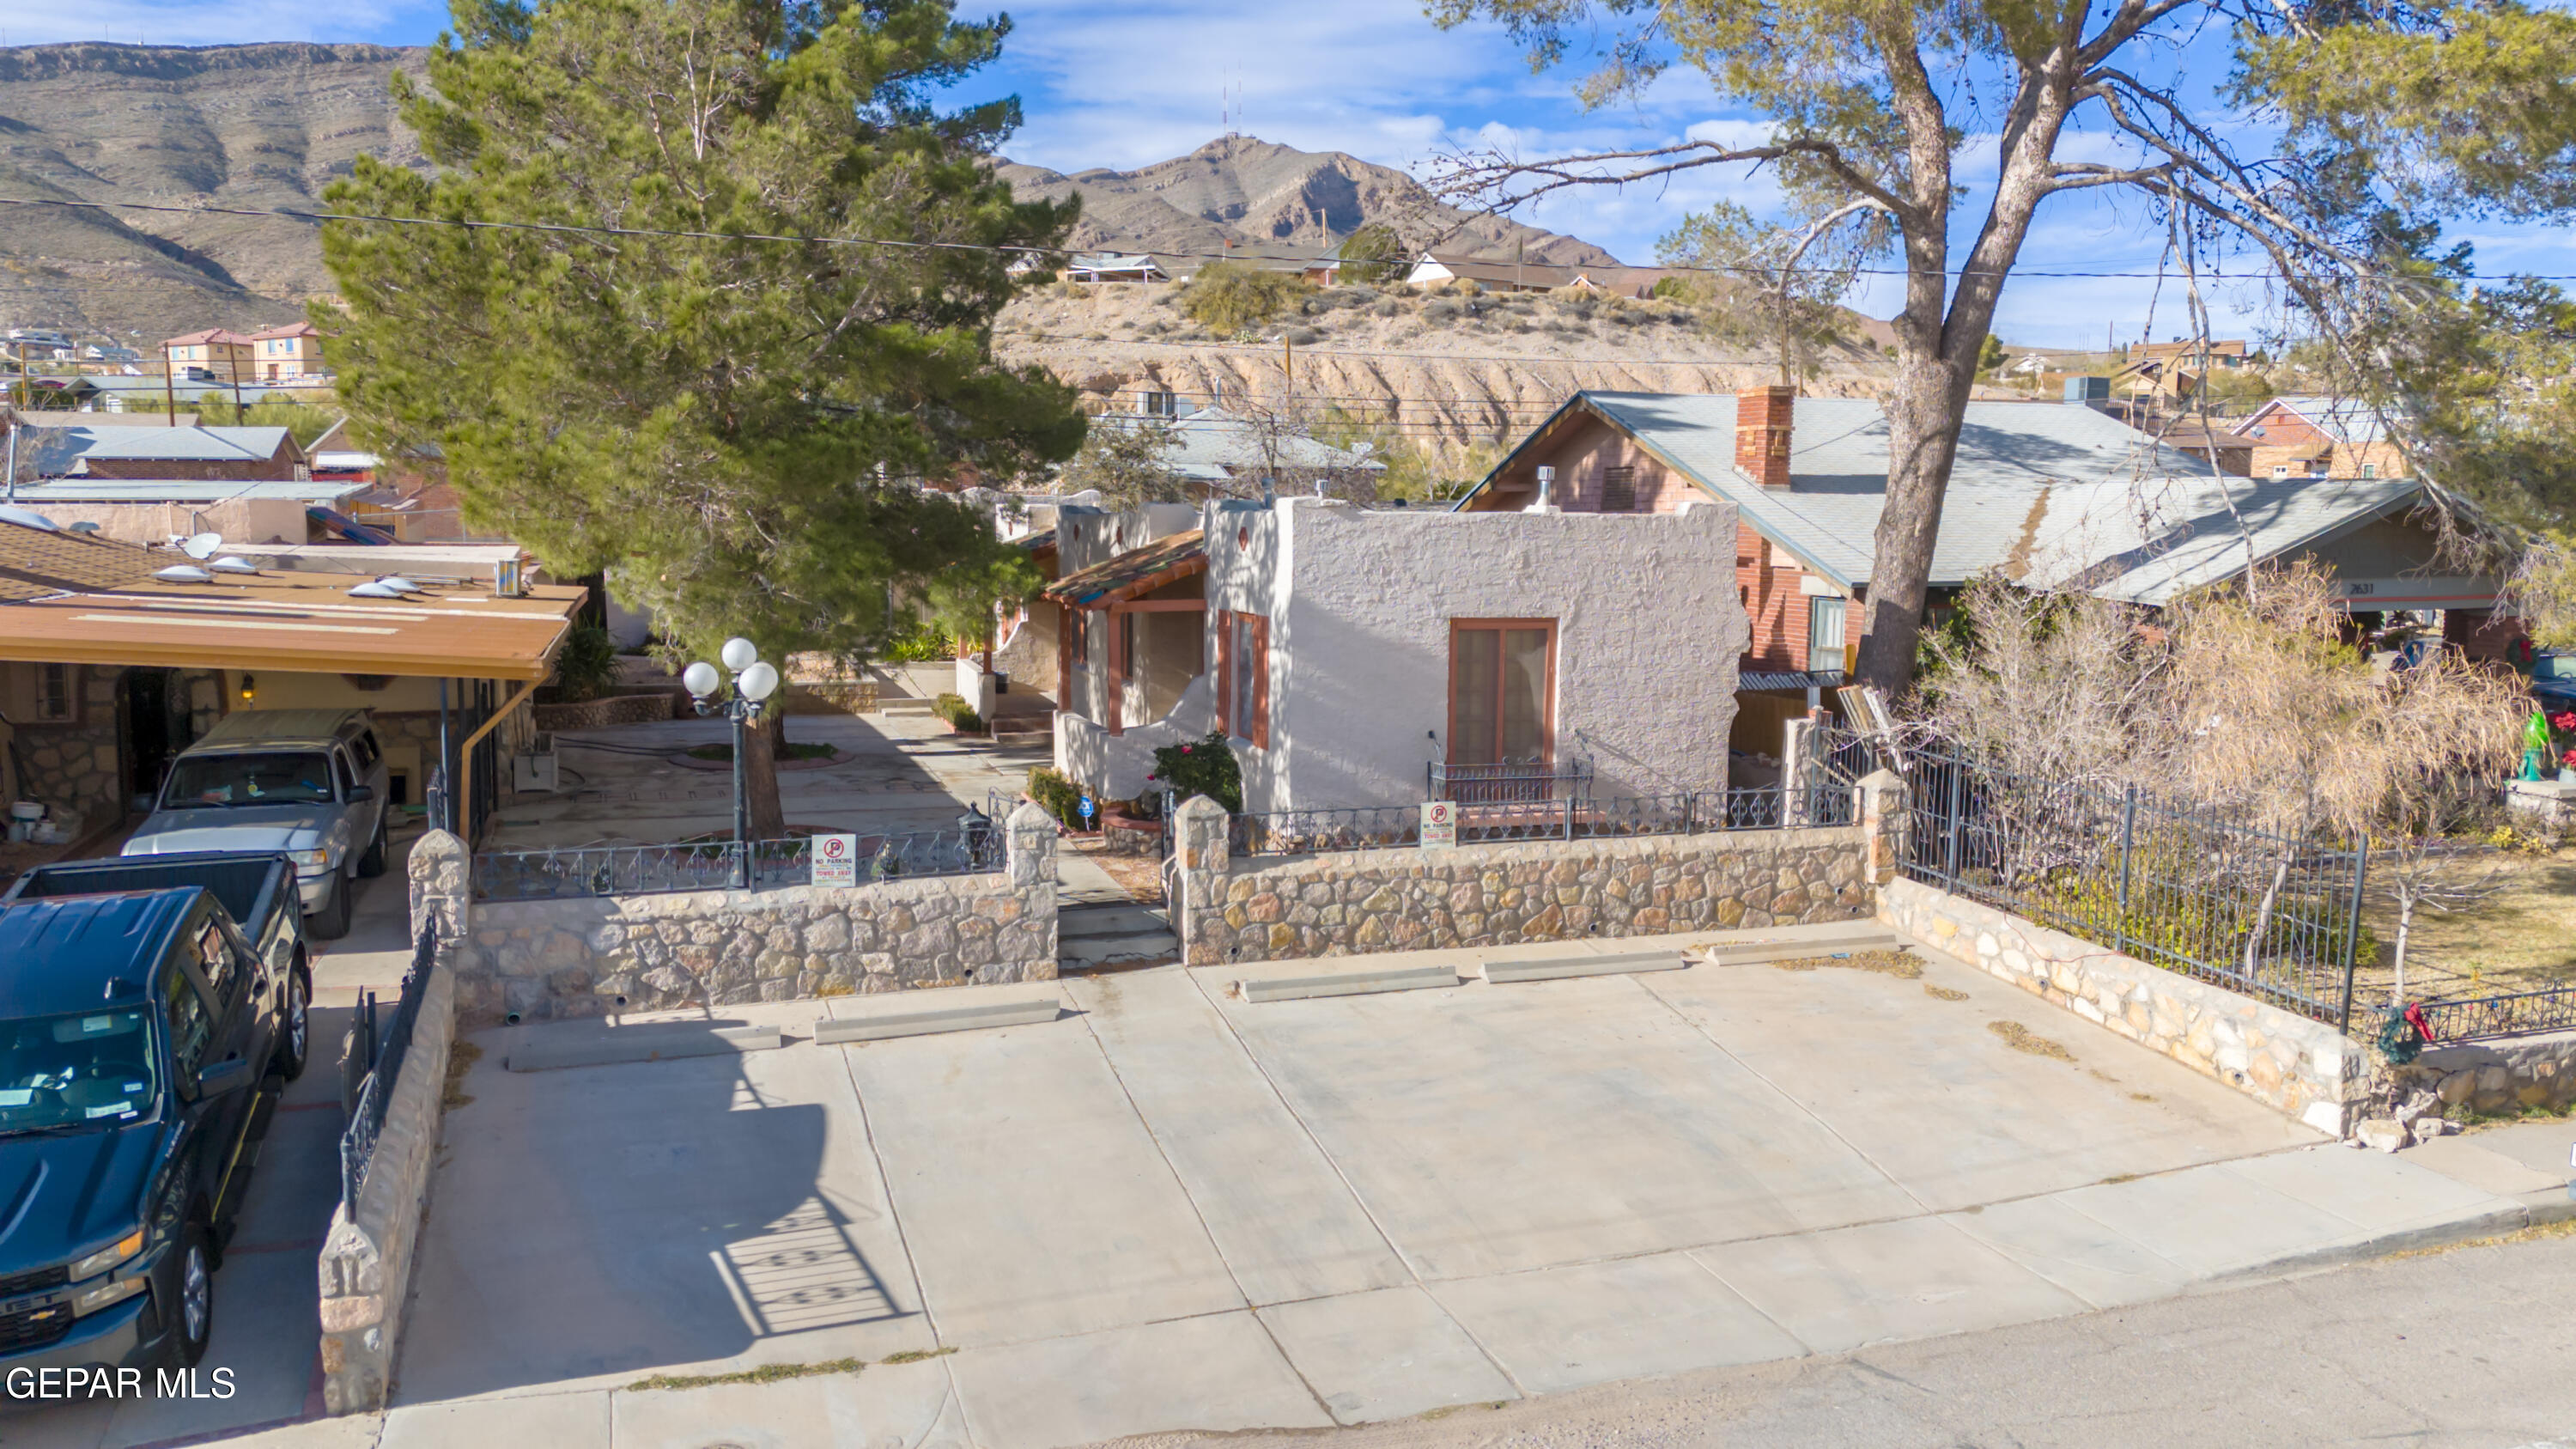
365 1267
605 711
1354 902
2304 1068
2495 1077
592 956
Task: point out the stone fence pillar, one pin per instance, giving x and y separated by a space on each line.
1801 766
1030 841
1885 817
441 877
1201 856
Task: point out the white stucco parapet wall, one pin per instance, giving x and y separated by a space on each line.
1116 765
1361 601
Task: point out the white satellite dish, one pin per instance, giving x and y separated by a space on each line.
25 519
183 574
233 564
399 584
374 590
203 545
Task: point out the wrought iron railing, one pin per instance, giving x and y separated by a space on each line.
2179 886
630 870
2518 1013
1386 827
1508 781
377 1056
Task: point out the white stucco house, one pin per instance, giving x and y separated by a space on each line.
1346 650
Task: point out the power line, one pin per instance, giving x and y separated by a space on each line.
1033 252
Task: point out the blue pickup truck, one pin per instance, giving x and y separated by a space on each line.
151 1012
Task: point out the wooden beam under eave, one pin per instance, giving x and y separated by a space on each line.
1156 606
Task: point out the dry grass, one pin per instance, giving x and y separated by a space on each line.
765 1374
1884 963
2537 1232
461 1057
1943 992
2021 1039
2521 939
916 1355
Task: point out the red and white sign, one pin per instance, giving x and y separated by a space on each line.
1439 824
836 860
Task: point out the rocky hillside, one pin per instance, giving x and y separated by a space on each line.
1249 195
1433 367
237 125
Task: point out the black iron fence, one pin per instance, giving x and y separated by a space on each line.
1686 812
2514 1014
2184 888
1507 781
371 1066
630 870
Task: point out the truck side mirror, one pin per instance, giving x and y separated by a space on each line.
220 1077
361 794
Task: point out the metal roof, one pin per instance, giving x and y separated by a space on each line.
56 448
74 599
2346 420
2045 493
187 490
1214 446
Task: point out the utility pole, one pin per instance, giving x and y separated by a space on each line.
169 390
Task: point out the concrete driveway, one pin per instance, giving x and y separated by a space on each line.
1173 1210
267 1304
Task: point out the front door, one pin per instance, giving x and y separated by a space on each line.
155 725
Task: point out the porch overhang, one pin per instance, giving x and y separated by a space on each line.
1133 574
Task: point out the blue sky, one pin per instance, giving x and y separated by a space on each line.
1124 83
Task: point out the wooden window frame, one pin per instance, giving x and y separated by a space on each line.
1547 688
1229 659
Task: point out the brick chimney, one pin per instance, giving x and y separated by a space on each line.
1762 422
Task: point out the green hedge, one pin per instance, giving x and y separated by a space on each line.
1056 795
953 708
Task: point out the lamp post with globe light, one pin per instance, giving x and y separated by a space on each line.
754 680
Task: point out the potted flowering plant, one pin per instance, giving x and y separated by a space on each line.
1201 767
2563 726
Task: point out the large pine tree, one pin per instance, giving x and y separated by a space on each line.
722 421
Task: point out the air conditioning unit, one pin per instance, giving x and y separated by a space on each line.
535 770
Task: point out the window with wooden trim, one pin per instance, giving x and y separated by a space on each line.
1502 690
1825 633
1619 489
1243 644
39 693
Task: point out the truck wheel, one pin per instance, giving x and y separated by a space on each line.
192 1318
372 864
332 921
295 1029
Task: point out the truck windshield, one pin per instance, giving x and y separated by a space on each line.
200 782
72 1070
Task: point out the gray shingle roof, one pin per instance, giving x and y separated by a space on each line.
2045 493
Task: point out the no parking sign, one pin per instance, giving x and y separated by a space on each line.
1439 824
836 860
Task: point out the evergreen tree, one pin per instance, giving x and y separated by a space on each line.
723 421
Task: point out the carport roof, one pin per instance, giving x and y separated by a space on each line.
68 598
1135 572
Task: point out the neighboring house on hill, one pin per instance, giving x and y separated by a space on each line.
87 450
2194 354
291 351
1115 267
1494 275
1216 453
2048 494
2319 437
1346 651
213 355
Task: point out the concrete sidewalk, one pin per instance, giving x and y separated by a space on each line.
1172 1210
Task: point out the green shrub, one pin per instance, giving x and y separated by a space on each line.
954 709
923 643
1202 767
587 666
1229 296
1056 795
